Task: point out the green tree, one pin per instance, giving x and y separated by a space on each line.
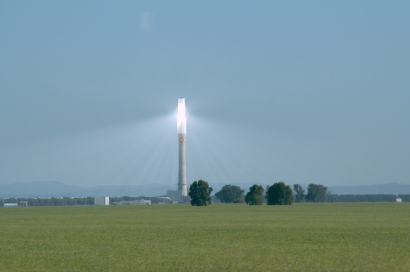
316 193
239 200
299 193
229 193
200 193
255 195
279 194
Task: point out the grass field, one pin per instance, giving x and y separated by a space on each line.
227 237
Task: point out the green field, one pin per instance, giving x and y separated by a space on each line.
228 237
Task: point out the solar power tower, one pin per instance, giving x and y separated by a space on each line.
181 130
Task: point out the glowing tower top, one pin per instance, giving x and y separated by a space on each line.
181 121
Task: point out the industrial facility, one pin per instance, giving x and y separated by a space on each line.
84 201
180 195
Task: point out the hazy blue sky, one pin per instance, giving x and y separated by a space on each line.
293 91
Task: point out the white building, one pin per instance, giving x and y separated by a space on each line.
10 205
135 202
102 200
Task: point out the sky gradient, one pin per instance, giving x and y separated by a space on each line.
289 91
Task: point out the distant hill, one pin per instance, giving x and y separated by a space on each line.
59 189
36 189
391 188
245 186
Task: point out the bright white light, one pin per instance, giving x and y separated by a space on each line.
181 120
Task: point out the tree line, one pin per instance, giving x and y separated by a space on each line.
200 195
277 194
368 198
50 201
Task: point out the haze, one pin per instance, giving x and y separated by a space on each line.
289 91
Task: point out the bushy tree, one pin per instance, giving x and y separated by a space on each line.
229 193
299 193
279 194
200 193
239 200
255 195
316 193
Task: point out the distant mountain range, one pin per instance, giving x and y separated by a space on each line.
59 189
391 188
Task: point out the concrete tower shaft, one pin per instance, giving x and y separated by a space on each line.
181 130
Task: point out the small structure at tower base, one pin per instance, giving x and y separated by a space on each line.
175 195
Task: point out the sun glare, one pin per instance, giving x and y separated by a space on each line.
181 120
